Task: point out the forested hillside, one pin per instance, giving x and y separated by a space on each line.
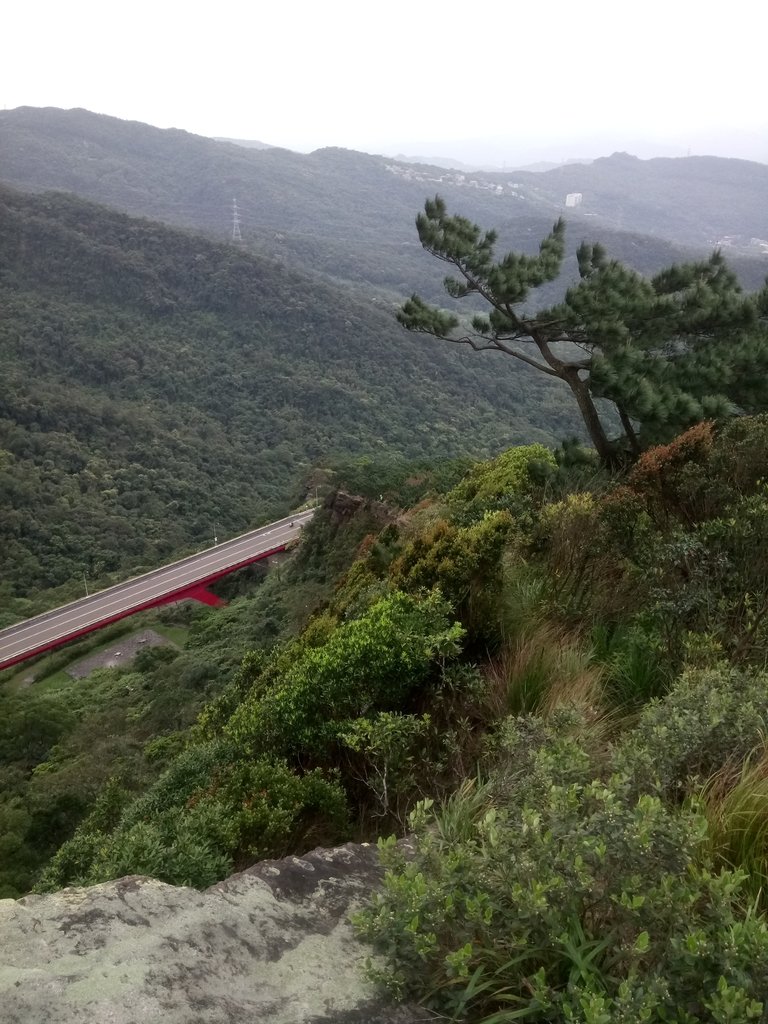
549 669
553 677
156 384
350 215
691 200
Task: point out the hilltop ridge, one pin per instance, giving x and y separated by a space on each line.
350 215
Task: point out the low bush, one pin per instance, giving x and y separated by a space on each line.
375 663
710 718
565 900
208 814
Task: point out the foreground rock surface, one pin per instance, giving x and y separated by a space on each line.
272 944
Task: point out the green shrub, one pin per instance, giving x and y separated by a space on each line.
709 718
271 810
465 564
374 663
389 754
564 900
245 812
72 862
509 472
503 483
208 814
181 846
189 773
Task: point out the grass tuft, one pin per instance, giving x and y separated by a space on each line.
542 669
736 806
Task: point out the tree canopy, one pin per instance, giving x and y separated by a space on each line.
667 351
155 383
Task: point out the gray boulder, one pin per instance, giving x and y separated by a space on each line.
271 944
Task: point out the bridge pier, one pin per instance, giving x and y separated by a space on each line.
201 594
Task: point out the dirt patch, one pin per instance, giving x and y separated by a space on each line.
122 652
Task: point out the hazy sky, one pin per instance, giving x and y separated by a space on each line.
480 79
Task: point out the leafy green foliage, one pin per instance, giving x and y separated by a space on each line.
401 482
378 662
465 564
562 900
60 747
586 879
517 904
666 567
709 717
208 813
511 474
391 748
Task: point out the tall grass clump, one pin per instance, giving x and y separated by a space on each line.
635 670
736 805
540 669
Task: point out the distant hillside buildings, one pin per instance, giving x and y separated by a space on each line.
414 173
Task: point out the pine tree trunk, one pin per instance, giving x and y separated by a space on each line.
589 415
570 374
629 430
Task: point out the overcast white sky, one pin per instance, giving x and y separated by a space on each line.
493 80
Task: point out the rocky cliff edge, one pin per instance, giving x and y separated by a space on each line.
271 944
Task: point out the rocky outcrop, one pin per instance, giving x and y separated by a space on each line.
343 506
272 944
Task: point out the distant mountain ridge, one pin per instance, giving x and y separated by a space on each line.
245 143
350 215
693 200
450 163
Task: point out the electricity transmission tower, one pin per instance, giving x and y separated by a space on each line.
236 236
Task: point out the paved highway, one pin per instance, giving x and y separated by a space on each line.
47 630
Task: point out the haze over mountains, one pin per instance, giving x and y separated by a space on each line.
513 149
451 163
351 214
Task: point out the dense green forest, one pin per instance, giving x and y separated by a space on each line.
553 676
157 385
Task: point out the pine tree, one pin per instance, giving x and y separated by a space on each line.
668 351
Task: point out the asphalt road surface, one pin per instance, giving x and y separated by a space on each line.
75 618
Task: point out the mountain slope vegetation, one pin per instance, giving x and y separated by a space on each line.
156 384
554 677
